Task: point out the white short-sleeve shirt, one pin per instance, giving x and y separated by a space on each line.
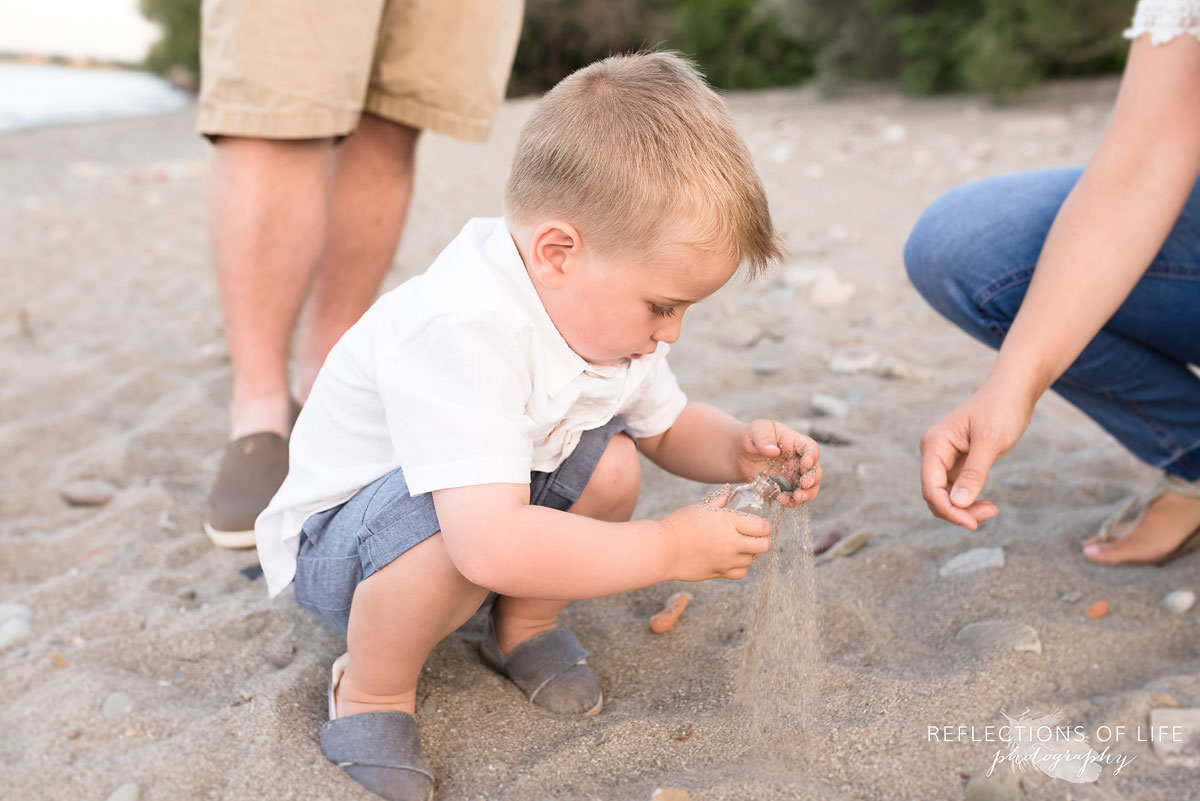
459 377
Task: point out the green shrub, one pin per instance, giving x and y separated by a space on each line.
995 46
178 51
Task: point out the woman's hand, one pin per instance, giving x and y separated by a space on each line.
960 449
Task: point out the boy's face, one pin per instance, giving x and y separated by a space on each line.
608 309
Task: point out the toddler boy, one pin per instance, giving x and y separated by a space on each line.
478 429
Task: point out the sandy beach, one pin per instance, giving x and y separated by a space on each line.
133 652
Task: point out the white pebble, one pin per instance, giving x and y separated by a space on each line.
831 291
1179 601
972 561
127 792
13 631
853 360
829 406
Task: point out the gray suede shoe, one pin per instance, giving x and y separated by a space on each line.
550 668
379 750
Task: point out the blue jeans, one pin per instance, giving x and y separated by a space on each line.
971 256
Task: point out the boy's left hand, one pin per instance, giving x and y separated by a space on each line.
772 447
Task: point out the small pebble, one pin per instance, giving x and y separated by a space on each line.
251 573
281 654
854 360
987 635
87 492
844 547
186 593
671 794
58 660
1071 597
829 406
831 291
1098 609
897 370
246 629
599 738
13 631
997 787
1180 601
972 561
429 707
116 706
684 733
663 621
127 792
10 611
826 541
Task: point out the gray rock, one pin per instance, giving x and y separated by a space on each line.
13 631
186 593
844 547
972 561
429 707
127 792
281 654
246 629
1071 597
1180 601
766 368
997 787
988 635
849 361
829 406
87 492
117 706
1182 750
10 611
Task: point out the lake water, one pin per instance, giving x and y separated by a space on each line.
35 95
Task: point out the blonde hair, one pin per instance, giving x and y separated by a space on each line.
627 147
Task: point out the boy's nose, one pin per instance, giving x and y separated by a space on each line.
669 333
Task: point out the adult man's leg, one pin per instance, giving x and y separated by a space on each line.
372 188
294 224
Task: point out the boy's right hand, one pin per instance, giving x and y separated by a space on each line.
708 542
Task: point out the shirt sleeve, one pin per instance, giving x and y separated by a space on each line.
1165 19
656 403
454 395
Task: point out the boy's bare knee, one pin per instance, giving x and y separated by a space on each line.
617 478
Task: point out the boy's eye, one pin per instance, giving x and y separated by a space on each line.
662 311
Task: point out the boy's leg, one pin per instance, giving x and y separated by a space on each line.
610 494
398 615
368 203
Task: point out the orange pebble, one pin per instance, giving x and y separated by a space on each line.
1098 609
669 616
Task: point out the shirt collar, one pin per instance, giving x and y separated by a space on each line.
563 365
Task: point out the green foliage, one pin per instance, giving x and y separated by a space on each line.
995 46
178 51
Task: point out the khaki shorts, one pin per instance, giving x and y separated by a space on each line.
307 69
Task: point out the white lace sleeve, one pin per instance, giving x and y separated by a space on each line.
1165 19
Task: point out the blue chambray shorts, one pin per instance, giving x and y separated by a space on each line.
344 545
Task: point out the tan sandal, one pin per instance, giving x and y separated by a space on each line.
1168 483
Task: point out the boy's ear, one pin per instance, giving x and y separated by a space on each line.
554 244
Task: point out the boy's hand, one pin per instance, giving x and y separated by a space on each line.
771 446
710 543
